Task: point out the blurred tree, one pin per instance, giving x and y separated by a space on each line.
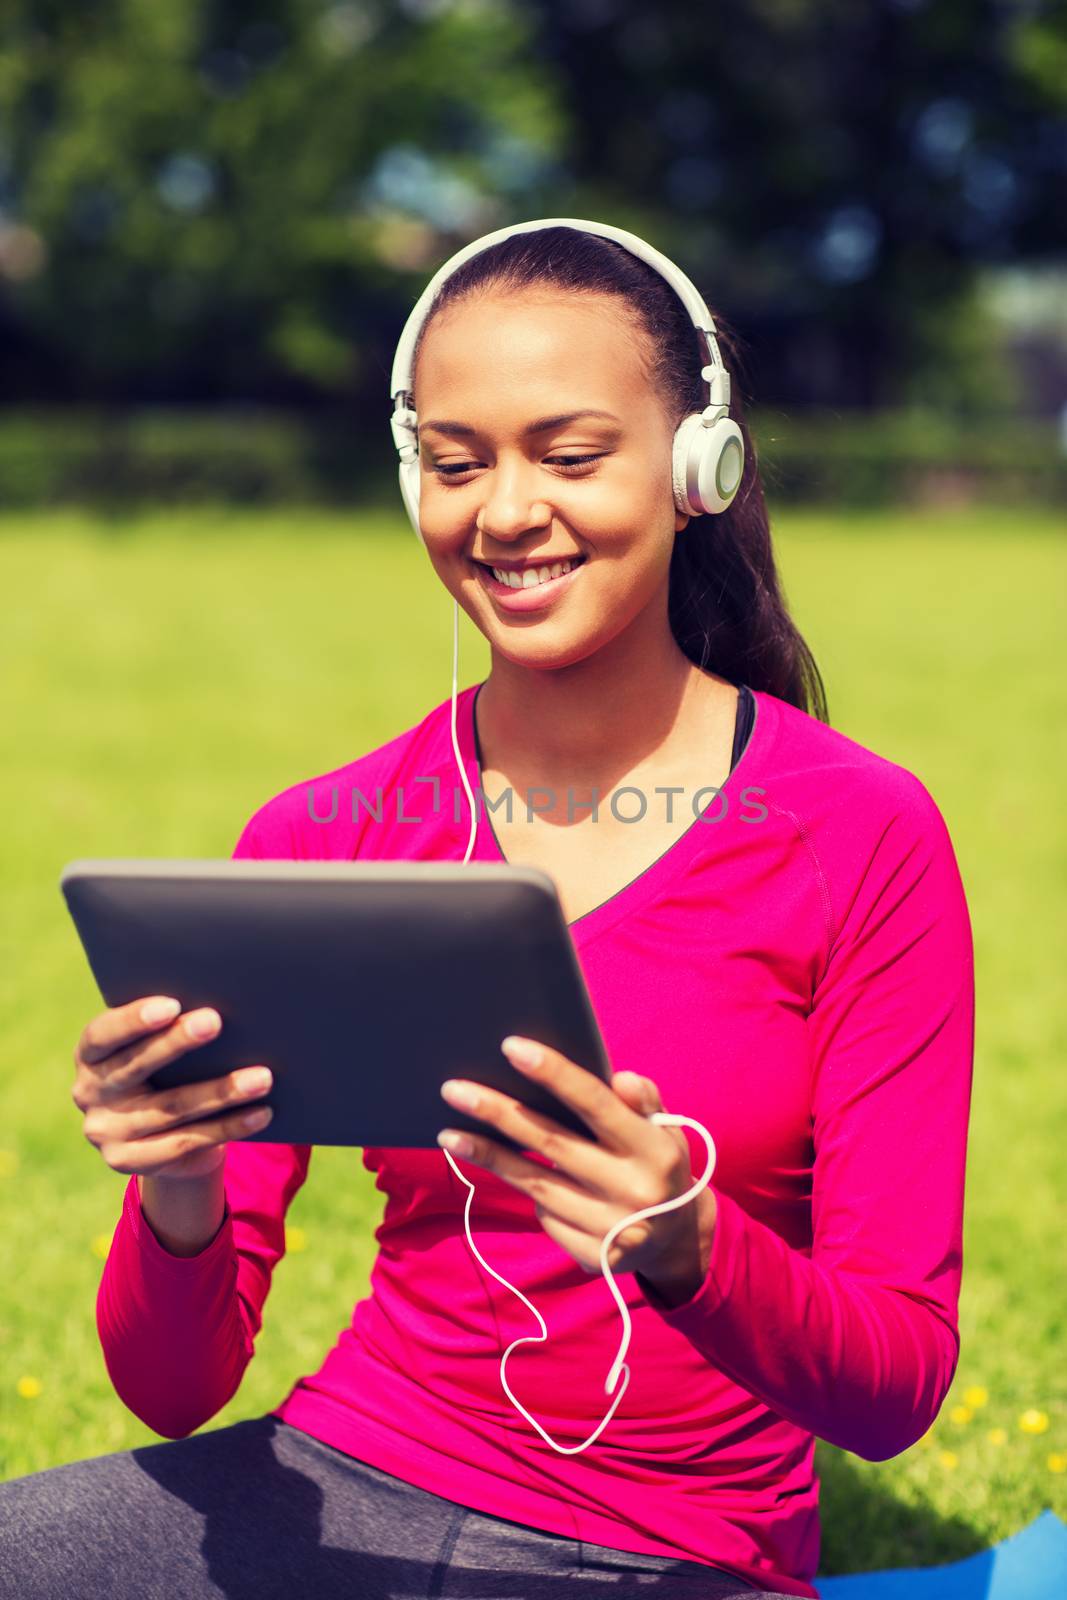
833 175
215 199
206 199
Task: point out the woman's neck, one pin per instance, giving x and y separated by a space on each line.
592 722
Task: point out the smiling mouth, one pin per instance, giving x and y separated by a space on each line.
530 577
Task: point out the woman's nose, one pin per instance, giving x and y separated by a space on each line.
511 506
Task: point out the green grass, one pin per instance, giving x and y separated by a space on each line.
166 674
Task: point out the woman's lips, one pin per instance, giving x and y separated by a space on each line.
535 598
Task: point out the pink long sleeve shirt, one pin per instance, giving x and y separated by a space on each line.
796 972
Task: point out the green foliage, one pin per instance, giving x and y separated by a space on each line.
263 457
241 201
168 674
1037 45
244 456
884 458
201 177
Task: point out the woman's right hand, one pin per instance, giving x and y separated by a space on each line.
138 1128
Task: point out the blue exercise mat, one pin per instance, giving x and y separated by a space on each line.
1031 1565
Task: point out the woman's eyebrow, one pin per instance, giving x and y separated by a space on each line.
459 430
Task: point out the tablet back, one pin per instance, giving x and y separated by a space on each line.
362 985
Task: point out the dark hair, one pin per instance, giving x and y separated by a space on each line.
726 606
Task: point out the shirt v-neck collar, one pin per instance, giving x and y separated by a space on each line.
653 879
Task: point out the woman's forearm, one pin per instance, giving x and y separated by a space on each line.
839 1353
184 1214
175 1333
178 1310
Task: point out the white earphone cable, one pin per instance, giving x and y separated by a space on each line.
664 1118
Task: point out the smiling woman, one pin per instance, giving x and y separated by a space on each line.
566 314
550 375
794 972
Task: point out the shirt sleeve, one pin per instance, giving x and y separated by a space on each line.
177 1332
857 1341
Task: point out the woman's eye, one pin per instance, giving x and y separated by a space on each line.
571 464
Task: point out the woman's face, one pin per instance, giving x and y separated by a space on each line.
497 487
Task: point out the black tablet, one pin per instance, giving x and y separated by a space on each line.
362 985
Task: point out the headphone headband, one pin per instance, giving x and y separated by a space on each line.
714 372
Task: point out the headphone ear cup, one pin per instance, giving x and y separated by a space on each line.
707 464
410 487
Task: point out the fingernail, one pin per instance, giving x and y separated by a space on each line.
522 1053
158 1010
252 1078
462 1095
202 1024
458 1143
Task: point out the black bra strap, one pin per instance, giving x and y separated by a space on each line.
746 716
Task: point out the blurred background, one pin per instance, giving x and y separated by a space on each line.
215 216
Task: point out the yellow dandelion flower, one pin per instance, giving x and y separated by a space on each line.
961 1414
949 1460
976 1396
9 1163
29 1388
997 1435
100 1245
295 1239
1034 1421
1057 1461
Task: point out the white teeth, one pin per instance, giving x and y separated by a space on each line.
531 576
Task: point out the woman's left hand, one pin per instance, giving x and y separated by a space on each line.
592 1184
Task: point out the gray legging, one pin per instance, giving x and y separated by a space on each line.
262 1511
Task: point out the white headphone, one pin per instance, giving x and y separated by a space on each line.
708 455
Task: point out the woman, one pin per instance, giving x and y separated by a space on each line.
790 964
